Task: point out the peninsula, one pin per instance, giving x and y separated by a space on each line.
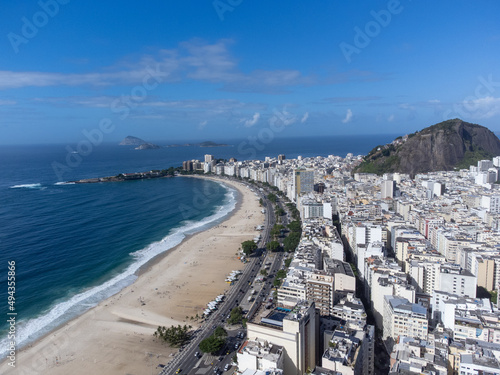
156 173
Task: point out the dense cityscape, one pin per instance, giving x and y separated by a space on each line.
392 273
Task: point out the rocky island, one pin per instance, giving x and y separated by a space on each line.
147 146
140 143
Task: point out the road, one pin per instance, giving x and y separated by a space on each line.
186 360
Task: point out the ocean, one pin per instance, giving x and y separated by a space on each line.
77 244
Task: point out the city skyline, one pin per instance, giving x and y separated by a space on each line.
228 69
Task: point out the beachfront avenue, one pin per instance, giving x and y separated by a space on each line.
186 359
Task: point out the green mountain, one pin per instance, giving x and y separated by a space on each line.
445 146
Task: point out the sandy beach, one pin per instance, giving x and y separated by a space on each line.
116 337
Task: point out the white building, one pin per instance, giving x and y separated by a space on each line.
455 280
296 332
260 355
403 318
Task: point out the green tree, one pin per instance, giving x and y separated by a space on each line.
211 344
174 336
276 230
263 272
248 247
273 246
279 211
281 274
220 332
272 197
236 315
295 226
291 242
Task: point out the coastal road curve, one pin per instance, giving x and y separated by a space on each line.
186 359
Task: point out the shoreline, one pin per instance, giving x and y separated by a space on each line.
157 258
131 317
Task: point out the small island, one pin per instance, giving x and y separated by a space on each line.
140 143
202 144
212 144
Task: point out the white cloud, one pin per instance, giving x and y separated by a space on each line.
390 118
305 117
282 117
251 121
348 117
202 124
191 60
486 107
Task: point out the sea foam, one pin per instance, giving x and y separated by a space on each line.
27 186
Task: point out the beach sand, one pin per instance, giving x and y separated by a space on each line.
116 337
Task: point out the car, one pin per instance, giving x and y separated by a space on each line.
226 367
178 371
216 370
221 358
197 354
237 345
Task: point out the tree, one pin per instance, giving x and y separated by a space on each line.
263 272
291 242
279 211
273 246
220 332
248 247
272 197
295 226
174 336
236 315
281 274
276 230
211 344
287 262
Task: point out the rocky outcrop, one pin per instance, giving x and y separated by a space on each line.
147 146
445 146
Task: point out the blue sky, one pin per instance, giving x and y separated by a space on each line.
170 70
